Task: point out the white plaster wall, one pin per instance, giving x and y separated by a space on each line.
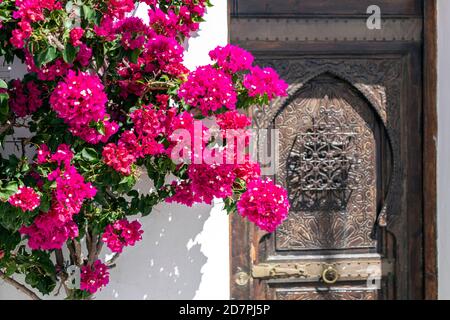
443 165
184 253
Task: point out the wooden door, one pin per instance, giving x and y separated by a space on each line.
350 151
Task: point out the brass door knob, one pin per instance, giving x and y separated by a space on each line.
330 275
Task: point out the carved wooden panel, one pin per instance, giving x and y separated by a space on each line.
327 162
373 81
373 78
322 164
342 293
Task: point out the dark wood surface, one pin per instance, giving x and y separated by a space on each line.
323 7
411 234
429 158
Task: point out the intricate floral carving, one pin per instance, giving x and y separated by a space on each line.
375 79
321 163
345 117
327 294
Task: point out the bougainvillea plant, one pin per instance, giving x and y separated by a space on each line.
107 99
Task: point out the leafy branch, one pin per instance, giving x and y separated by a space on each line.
19 286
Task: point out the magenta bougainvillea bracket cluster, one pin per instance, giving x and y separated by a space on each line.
107 100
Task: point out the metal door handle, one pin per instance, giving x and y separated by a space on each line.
278 271
330 275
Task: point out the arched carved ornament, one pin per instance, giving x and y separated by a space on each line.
336 168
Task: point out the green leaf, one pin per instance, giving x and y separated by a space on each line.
8 239
4 106
8 190
13 218
78 295
87 12
45 203
100 126
100 198
135 55
89 154
146 203
159 180
126 183
11 268
44 284
70 53
45 56
44 262
3 84
133 193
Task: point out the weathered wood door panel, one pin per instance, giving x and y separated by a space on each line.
350 153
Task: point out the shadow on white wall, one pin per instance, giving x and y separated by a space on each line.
167 263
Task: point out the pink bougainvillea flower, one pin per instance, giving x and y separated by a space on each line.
80 100
25 98
248 170
71 189
232 58
233 120
20 35
25 198
134 32
34 10
118 8
43 154
264 204
166 24
106 29
119 158
122 233
208 89
184 22
50 71
92 135
84 55
148 121
27 12
184 194
63 154
94 277
50 230
165 54
209 181
75 36
132 145
260 82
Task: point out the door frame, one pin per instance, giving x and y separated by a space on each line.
430 149
242 248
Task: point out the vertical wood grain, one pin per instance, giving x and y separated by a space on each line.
429 148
